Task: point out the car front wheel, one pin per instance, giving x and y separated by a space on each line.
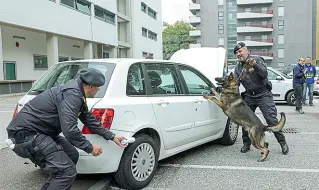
138 163
230 133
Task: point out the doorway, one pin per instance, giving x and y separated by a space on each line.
9 68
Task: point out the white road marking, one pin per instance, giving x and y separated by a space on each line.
242 168
102 184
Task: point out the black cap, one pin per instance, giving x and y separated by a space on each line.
92 77
239 46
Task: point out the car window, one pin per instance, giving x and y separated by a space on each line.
63 72
135 81
272 75
196 83
163 78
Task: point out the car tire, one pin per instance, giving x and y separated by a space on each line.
145 153
291 98
230 133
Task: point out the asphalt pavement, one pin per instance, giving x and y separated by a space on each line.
210 166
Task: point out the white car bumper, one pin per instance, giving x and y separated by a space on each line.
107 162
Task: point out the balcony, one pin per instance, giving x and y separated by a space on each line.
253 2
255 28
196 45
266 56
255 14
258 42
194 20
194 7
195 33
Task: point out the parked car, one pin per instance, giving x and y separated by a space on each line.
282 88
158 102
316 86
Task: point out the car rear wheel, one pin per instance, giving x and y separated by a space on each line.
291 98
230 133
138 163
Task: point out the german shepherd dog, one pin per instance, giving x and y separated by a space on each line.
232 104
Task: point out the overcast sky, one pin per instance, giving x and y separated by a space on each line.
174 10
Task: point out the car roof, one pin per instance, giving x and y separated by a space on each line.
118 60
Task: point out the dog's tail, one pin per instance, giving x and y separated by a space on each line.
278 127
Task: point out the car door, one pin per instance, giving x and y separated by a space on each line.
278 85
174 111
209 118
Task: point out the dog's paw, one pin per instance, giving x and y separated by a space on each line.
205 96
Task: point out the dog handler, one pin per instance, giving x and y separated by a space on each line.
36 128
251 72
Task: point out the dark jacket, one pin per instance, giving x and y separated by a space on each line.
57 110
298 75
256 80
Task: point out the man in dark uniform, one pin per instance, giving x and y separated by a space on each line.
36 128
251 72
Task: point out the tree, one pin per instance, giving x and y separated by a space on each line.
176 37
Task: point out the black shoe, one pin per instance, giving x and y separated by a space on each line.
245 149
284 148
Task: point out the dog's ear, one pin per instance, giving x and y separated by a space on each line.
231 75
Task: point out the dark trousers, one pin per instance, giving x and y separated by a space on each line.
298 88
60 165
267 106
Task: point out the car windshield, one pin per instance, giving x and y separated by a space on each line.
63 72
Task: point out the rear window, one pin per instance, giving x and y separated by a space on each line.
63 72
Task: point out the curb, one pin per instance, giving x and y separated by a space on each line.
11 95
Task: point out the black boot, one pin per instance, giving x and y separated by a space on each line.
245 149
284 148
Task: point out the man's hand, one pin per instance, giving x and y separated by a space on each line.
118 140
304 71
252 62
97 150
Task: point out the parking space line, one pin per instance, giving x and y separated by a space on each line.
102 184
242 168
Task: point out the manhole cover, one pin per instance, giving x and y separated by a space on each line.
289 130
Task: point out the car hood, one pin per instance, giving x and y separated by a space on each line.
209 61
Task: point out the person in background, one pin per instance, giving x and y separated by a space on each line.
310 80
298 81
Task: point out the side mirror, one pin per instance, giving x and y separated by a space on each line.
219 89
279 78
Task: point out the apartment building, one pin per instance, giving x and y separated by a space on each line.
280 31
35 34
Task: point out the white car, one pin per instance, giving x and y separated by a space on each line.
282 88
158 102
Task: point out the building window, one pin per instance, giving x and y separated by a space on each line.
281 53
247 23
151 13
221 41
247 9
247 38
220 15
80 5
281 64
152 35
104 15
281 39
220 2
220 29
144 32
280 24
281 11
281 0
40 61
143 7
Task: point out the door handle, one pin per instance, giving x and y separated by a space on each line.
198 101
162 103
